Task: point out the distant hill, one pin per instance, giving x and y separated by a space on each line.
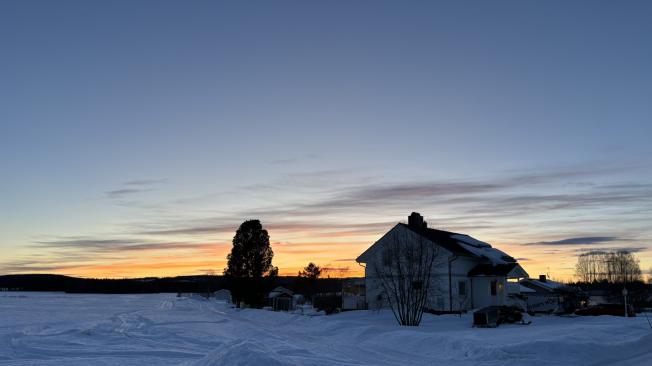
202 283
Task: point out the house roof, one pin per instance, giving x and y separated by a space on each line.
462 244
487 269
547 286
509 270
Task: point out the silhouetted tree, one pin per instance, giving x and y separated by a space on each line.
307 280
612 267
311 271
250 259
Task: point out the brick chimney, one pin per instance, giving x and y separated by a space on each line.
542 278
416 220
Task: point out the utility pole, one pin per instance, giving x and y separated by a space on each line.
625 296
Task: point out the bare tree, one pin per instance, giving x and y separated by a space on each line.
612 267
404 269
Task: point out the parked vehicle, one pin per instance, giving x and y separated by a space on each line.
606 309
492 316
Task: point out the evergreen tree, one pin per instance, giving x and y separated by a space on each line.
250 259
307 280
311 271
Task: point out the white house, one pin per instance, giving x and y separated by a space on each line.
468 274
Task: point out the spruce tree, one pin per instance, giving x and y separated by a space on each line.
250 259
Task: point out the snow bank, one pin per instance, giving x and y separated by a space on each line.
60 329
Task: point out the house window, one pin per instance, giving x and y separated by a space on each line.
461 288
494 287
417 285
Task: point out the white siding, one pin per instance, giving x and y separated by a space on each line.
478 291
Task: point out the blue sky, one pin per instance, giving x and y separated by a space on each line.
126 125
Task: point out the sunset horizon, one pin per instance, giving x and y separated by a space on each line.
135 138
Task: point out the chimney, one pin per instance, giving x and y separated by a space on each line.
542 278
416 220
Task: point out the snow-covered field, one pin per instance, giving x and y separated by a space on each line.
62 329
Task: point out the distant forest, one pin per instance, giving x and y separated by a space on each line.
198 284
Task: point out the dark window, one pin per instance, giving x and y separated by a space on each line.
461 288
417 285
494 287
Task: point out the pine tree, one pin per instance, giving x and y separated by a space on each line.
311 271
250 259
307 280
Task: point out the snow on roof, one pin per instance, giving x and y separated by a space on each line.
550 285
523 289
280 291
471 241
482 249
547 285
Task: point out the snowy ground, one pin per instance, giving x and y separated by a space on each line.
61 329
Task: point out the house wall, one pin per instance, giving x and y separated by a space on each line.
482 291
439 297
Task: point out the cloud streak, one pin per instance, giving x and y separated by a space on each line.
585 240
134 187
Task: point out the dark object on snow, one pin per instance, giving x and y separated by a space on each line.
486 317
492 316
444 312
607 309
328 302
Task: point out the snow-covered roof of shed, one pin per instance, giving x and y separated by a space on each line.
280 290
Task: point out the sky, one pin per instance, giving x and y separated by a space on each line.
135 136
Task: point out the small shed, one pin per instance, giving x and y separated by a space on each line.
223 295
353 294
281 299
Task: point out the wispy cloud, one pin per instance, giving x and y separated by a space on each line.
118 193
145 182
631 249
324 228
333 214
586 240
134 187
94 245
